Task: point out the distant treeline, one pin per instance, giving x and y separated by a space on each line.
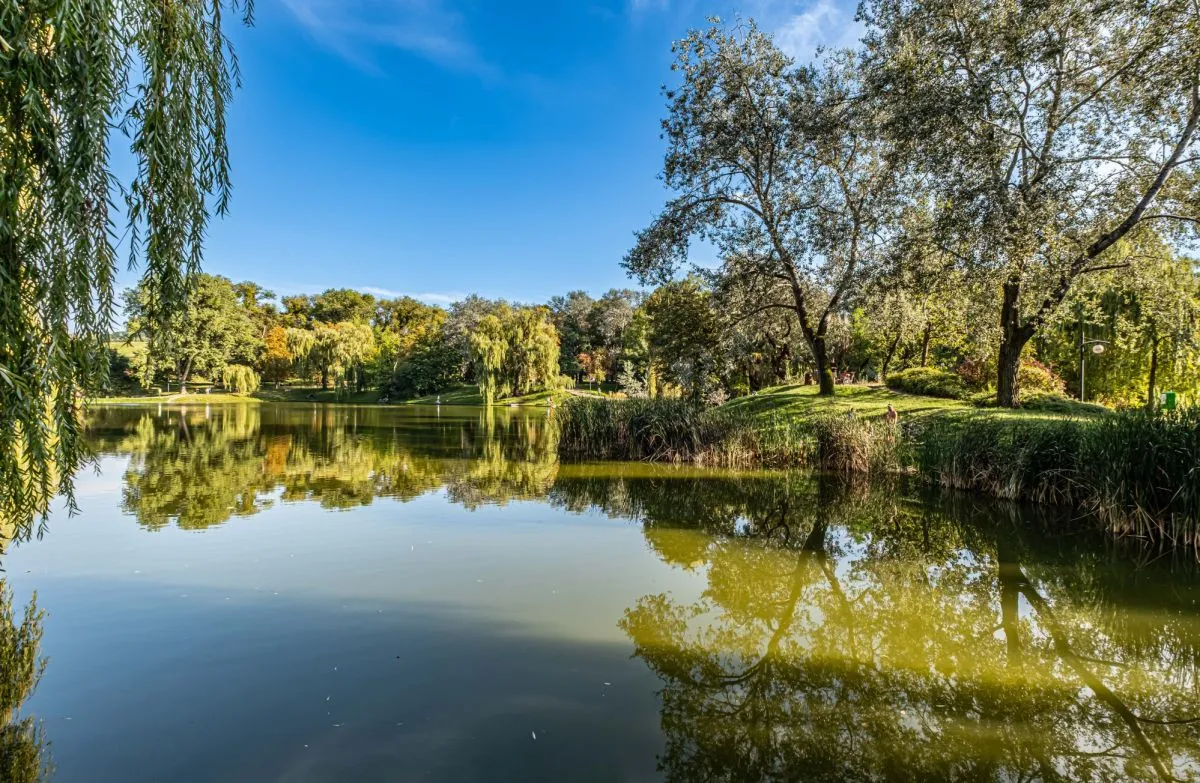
681 339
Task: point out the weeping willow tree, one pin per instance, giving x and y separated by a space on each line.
489 351
75 75
240 379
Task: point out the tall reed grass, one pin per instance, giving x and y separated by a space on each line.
1137 473
1144 472
669 430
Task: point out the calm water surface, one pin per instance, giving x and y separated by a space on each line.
296 593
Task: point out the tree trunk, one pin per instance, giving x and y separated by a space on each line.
824 371
887 359
1014 338
1010 595
925 340
185 372
324 378
1151 397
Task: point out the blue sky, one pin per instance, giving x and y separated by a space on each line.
440 147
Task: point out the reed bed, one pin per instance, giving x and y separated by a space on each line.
676 431
1137 473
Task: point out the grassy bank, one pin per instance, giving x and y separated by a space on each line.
1137 473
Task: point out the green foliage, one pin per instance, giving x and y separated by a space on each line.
685 336
340 351
1144 469
514 351
122 374
489 353
1046 133
1137 471
850 445
930 381
240 379
628 383
431 368
341 305
210 332
70 73
673 430
1148 314
798 224
1033 377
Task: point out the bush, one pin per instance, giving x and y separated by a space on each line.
930 381
1033 377
976 374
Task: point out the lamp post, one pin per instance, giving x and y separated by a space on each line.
1098 347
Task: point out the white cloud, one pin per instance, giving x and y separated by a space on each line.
427 298
800 28
354 29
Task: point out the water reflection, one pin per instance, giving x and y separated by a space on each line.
197 468
23 754
840 632
860 636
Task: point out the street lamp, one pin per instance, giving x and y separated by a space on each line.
1098 347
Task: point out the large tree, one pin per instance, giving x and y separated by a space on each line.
69 73
571 316
514 351
211 331
1051 131
685 336
779 167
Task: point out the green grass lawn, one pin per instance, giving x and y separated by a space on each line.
872 401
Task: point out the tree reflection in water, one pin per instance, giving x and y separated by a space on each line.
23 754
853 635
197 468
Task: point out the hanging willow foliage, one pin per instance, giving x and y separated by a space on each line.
240 379
74 75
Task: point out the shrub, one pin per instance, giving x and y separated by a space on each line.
976 374
1033 377
930 381
428 370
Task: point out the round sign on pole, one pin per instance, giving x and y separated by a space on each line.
1098 348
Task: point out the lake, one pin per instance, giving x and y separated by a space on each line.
323 593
